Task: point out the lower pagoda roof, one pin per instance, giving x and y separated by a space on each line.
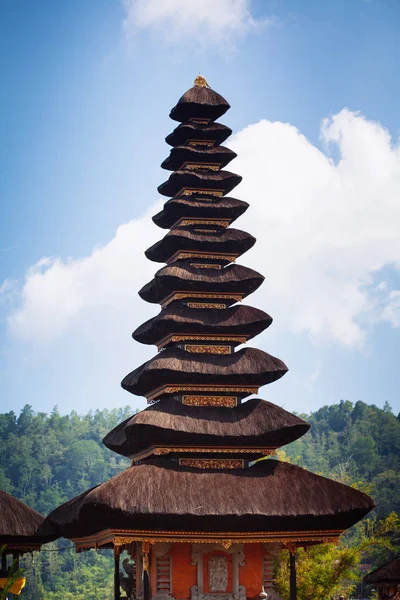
226 241
21 527
173 366
190 207
255 423
160 495
221 182
192 130
178 318
218 156
184 277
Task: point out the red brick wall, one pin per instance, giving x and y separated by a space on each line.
251 575
184 574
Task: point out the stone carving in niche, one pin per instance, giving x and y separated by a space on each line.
217 573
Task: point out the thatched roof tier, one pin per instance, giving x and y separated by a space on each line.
21 527
200 103
159 495
218 155
192 207
220 181
226 241
174 366
190 130
171 423
183 277
388 573
178 318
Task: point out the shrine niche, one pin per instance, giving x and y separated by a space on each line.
217 573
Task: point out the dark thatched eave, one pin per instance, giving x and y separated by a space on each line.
181 276
160 495
21 526
191 207
174 366
223 181
388 573
254 423
227 241
214 155
190 130
178 318
199 103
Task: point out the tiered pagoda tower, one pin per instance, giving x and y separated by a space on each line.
198 511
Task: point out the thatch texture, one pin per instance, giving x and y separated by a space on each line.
388 573
253 423
223 181
250 366
193 207
21 525
190 130
230 241
184 277
179 318
199 103
157 494
181 154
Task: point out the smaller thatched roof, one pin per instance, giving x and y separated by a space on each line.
214 155
190 130
200 103
388 573
174 366
255 423
21 527
227 241
183 277
195 207
160 495
178 318
223 181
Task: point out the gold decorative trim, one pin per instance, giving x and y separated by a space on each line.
201 192
176 389
208 143
212 463
206 305
200 121
207 349
164 450
192 166
187 222
190 255
172 338
123 537
222 401
206 266
201 295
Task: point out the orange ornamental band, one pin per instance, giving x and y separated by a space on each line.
124 537
207 349
179 388
207 143
194 166
206 266
202 255
212 463
200 192
166 450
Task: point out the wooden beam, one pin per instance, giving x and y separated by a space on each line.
117 589
293 582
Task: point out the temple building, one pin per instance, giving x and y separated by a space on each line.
386 580
204 506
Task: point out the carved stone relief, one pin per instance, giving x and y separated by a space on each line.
238 591
218 573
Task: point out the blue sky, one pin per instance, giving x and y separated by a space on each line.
86 90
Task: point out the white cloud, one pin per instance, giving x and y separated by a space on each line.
324 231
181 21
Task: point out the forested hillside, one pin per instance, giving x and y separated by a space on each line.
47 459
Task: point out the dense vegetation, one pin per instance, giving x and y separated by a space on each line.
47 459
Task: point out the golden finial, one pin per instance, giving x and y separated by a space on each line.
201 81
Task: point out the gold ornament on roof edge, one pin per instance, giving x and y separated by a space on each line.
201 81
